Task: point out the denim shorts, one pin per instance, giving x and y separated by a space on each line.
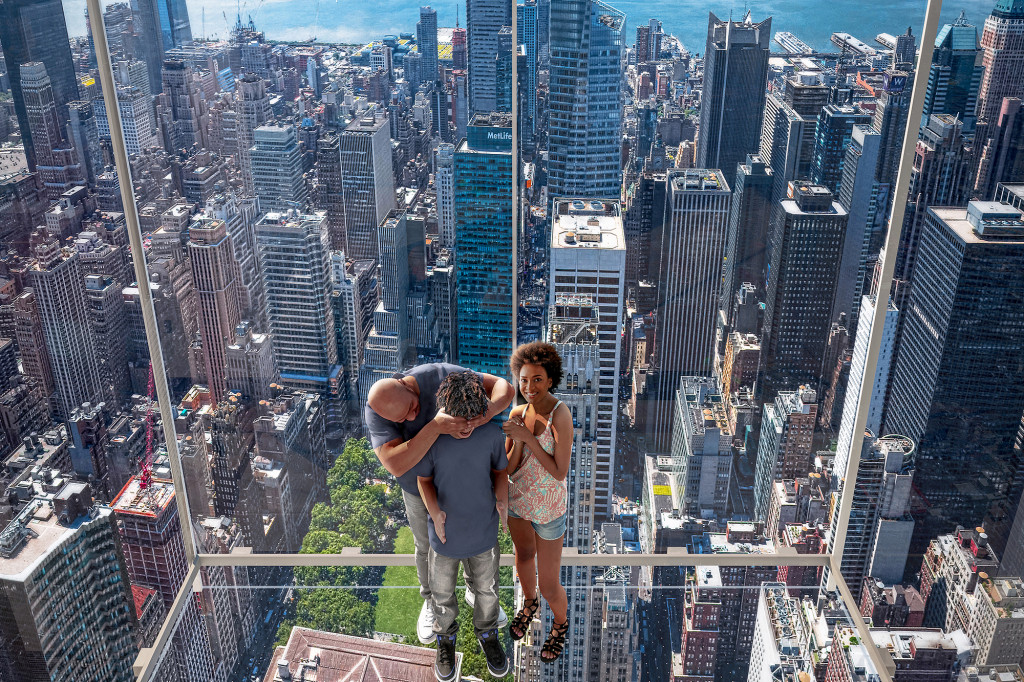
552 530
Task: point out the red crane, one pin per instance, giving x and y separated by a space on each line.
146 477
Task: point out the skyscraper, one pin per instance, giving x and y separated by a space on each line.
746 258
252 110
484 18
61 565
588 257
216 279
890 120
295 259
181 109
526 32
137 119
56 278
444 185
584 100
426 42
55 159
785 449
276 168
955 74
831 138
483 239
804 252
1002 157
957 368
34 31
368 182
732 103
85 137
1003 53
701 448
688 245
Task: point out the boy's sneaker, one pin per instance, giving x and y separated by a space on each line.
502 616
444 663
497 661
425 624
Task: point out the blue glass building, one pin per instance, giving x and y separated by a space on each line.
483 243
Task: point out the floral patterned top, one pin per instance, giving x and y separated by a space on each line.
534 494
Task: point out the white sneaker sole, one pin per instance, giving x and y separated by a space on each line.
492 671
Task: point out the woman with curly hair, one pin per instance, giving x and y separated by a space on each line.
539 437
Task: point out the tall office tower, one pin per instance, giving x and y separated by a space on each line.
732 104
584 100
955 74
32 350
642 196
831 138
807 95
719 628
543 34
483 238
149 525
117 22
688 245
277 168
526 32
949 575
954 391
368 182
865 199
484 18
804 253
137 120
295 259
132 73
426 42
60 566
56 278
701 449
781 149
34 31
941 176
904 55
503 71
216 279
290 435
239 217
55 159
388 343
146 21
880 384
460 60
181 109
1002 157
1003 54
444 186
169 18
441 112
250 363
108 322
84 136
588 256
746 259
785 449
327 190
890 120
355 296
252 110
642 46
458 104
880 526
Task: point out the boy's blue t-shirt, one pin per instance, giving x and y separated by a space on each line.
461 468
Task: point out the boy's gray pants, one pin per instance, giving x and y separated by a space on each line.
481 571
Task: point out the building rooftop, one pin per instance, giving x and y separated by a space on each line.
134 500
317 656
587 224
698 180
999 223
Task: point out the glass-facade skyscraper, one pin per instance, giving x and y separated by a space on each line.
483 242
585 123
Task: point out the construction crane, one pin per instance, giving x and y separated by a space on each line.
146 476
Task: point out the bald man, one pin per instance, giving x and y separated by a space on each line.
403 421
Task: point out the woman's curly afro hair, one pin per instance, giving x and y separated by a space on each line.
538 353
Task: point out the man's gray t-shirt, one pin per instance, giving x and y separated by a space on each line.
428 378
461 468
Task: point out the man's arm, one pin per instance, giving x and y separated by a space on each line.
429 495
398 456
500 393
500 478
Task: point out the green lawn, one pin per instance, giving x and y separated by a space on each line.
397 610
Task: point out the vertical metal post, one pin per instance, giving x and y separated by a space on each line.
516 203
131 215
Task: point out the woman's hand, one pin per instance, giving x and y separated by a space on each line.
515 429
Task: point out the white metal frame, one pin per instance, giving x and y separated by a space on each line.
149 658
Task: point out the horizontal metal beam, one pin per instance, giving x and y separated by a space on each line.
351 556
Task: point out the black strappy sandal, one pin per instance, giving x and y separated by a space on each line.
555 642
523 619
